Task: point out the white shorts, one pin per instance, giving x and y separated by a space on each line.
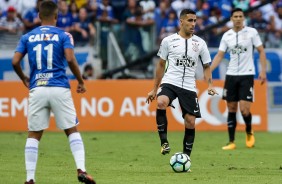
44 100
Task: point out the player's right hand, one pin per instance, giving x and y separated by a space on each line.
151 96
80 88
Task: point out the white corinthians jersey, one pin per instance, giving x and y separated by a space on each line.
182 57
240 45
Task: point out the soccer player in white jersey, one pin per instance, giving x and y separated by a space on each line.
238 88
49 50
182 52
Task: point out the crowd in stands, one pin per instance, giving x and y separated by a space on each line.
132 21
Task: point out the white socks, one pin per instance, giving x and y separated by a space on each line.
77 149
31 155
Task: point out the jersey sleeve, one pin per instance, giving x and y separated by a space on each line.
163 51
21 47
68 41
256 39
223 45
205 54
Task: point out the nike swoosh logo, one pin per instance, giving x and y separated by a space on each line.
175 46
188 144
195 111
160 125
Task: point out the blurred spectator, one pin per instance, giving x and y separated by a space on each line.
31 19
260 24
84 30
179 5
266 10
161 14
106 18
119 7
11 23
92 6
23 6
170 25
105 6
201 23
88 72
216 33
148 7
64 17
5 4
225 7
243 4
275 35
133 39
74 12
130 10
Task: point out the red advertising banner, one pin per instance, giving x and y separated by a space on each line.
119 105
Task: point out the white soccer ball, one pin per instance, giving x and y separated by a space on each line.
180 162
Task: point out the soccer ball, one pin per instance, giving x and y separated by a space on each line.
180 162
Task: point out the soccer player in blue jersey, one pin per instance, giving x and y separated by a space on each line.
49 49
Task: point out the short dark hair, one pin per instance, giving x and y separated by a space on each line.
47 9
88 67
187 11
236 10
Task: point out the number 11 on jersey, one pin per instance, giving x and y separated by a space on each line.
38 50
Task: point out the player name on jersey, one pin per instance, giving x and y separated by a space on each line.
43 75
43 37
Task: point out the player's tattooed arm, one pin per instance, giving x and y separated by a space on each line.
208 77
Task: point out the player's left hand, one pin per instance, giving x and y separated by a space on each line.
212 91
80 88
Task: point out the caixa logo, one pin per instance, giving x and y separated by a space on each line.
213 110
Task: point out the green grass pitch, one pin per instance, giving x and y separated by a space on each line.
134 158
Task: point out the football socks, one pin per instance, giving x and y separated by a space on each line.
188 140
31 156
162 125
248 122
77 149
231 123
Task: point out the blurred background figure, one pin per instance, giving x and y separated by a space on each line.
170 25
5 4
64 17
275 35
148 7
260 24
84 30
31 19
11 28
88 72
106 18
11 23
133 39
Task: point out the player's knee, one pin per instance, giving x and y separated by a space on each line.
162 104
245 112
189 124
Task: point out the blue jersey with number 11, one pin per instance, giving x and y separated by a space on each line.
45 47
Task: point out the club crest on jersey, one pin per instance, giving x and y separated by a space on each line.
185 61
43 37
195 47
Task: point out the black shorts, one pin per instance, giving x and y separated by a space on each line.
238 88
188 100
